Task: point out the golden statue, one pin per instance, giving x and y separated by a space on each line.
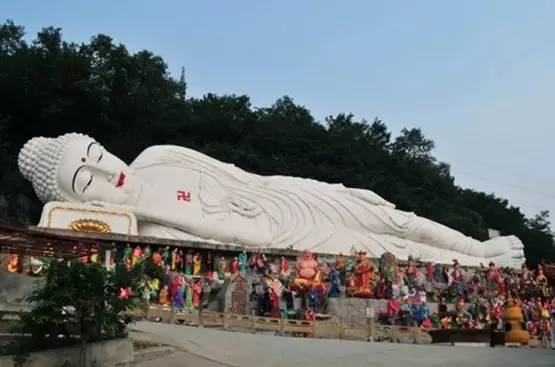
514 324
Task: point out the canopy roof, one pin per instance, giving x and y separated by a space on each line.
26 241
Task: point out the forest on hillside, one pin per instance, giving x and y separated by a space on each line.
128 101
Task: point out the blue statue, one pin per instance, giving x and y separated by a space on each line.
243 262
179 299
437 273
315 299
335 280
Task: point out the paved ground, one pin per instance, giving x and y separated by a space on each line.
209 348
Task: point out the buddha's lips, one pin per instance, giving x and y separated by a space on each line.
121 180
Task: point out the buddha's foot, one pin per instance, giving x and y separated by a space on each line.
505 251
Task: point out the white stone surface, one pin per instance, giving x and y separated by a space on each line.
180 193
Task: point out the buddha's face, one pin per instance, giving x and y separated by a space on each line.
87 172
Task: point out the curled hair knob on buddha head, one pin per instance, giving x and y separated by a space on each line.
38 162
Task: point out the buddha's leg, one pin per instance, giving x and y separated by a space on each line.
425 231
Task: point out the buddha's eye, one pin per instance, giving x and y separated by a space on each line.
95 152
83 180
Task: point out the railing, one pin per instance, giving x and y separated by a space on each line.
306 328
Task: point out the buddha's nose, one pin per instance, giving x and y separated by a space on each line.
98 168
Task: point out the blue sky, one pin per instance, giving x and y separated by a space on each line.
477 76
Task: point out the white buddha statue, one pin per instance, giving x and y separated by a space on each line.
180 193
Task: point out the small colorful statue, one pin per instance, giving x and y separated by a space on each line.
157 258
147 252
222 265
137 256
197 291
234 266
179 298
197 264
411 273
174 260
176 282
274 304
189 298
206 290
209 265
335 283
437 273
243 262
307 269
146 292
189 263
430 272
13 263
154 286
360 284
164 296
166 256
258 262
456 274
127 251
340 262
284 271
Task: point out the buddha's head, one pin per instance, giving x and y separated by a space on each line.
74 167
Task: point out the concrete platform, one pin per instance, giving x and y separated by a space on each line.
209 347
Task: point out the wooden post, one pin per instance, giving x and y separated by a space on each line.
341 329
370 323
200 319
393 334
172 316
314 328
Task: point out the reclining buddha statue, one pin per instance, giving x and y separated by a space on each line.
179 193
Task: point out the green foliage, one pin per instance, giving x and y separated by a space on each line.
128 102
79 299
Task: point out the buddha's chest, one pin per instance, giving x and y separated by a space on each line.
172 190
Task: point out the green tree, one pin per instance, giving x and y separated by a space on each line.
82 299
414 144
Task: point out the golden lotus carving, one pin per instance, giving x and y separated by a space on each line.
90 225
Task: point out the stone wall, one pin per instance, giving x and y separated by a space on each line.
110 353
15 288
352 311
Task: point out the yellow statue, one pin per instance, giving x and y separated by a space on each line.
514 324
197 262
164 296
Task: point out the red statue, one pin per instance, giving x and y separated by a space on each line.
430 272
274 303
197 290
360 283
283 267
13 264
234 266
157 258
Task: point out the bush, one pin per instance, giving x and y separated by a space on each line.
78 303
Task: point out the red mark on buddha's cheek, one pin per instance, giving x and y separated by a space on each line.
183 196
83 159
